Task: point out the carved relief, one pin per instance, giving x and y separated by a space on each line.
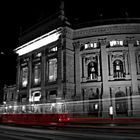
107 30
91 67
118 64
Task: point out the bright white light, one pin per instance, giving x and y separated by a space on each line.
53 104
95 44
4 102
86 46
10 106
38 42
96 106
34 98
137 42
23 107
115 42
111 110
91 45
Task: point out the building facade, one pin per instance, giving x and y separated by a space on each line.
96 67
10 95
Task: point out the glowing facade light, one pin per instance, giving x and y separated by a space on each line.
96 106
38 42
111 110
10 106
35 96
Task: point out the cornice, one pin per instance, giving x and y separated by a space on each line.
107 30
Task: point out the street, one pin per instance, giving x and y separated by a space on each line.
67 133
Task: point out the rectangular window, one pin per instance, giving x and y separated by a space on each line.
24 76
116 42
37 73
52 69
36 68
5 97
91 45
54 49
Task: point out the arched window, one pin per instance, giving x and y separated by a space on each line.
120 103
92 70
118 69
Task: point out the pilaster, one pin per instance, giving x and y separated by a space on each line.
60 67
133 67
43 64
29 76
104 62
77 68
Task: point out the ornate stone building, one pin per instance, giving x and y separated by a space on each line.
96 65
10 95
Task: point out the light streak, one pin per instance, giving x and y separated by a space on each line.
39 42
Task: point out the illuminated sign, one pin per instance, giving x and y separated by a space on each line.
39 42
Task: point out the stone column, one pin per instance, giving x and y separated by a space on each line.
128 94
133 67
18 74
111 65
133 73
60 67
98 57
112 101
29 76
124 68
83 69
100 103
126 63
77 68
137 63
104 62
43 64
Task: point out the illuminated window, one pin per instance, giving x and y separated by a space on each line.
36 68
54 49
37 73
95 44
92 70
118 69
137 43
116 42
39 54
91 45
52 69
24 76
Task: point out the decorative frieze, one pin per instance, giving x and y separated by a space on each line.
107 30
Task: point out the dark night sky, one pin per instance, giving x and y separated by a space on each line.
25 13
22 14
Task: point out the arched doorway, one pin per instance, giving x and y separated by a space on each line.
94 103
121 104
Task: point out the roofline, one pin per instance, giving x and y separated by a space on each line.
106 22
